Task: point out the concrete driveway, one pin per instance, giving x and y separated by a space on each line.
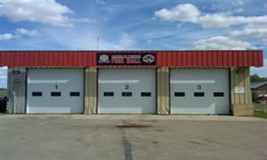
132 137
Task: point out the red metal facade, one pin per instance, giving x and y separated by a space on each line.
48 58
210 58
164 58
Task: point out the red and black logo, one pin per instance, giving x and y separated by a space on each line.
126 59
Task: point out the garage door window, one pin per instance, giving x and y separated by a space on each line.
74 94
55 94
179 94
218 94
37 94
108 94
145 94
199 94
126 94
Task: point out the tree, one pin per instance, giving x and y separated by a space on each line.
256 78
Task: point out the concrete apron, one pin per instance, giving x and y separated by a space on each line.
134 117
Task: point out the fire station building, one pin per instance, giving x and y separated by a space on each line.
130 82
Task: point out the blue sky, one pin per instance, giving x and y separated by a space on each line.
135 24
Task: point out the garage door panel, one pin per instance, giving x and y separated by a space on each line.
53 109
55 91
199 91
126 91
123 109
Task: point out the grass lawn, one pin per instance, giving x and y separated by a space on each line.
3 91
260 110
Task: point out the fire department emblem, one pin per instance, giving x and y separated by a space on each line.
103 59
149 58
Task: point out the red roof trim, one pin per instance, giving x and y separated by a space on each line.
169 58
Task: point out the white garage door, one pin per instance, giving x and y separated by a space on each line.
55 91
199 91
126 91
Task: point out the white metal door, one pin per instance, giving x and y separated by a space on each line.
126 91
199 91
55 91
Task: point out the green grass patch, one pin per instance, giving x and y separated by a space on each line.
260 110
3 91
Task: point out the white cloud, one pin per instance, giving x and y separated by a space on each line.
27 32
223 20
221 43
6 36
182 12
41 11
250 26
82 20
17 34
190 13
261 32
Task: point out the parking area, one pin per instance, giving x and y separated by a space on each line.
132 137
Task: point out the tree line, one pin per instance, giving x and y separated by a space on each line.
257 78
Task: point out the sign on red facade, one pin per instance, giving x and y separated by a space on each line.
126 59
